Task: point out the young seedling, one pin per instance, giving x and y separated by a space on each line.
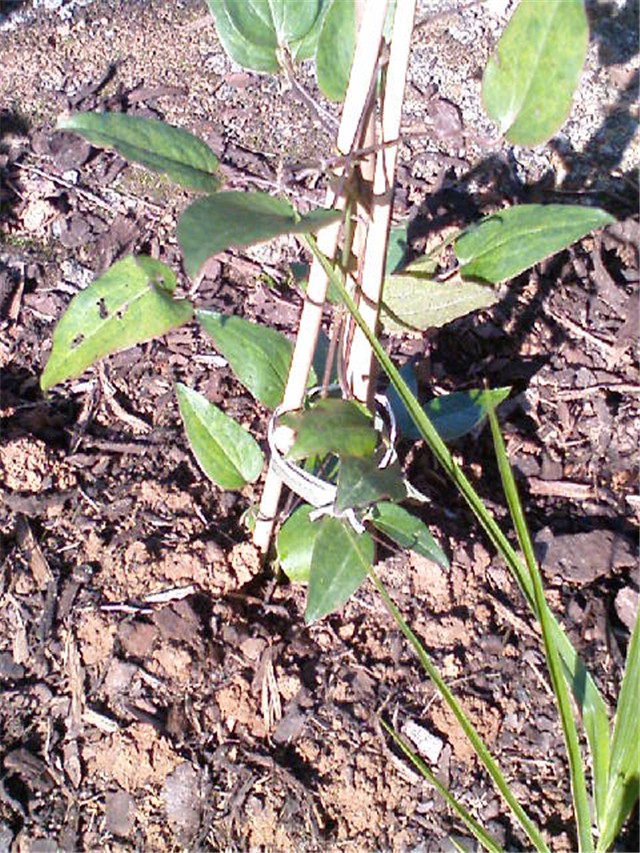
336 448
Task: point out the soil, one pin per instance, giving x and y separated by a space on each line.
160 690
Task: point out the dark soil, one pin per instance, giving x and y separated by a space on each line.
161 691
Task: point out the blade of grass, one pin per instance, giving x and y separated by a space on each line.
469 821
585 691
558 682
467 726
624 777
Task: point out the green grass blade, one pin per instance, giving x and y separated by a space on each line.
585 691
624 776
558 682
469 821
593 710
467 726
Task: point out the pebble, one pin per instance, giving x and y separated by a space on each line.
426 743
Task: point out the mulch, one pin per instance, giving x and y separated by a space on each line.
159 689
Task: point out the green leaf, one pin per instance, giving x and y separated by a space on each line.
396 249
406 427
183 157
331 426
407 531
259 356
336 47
340 562
624 774
254 31
453 415
130 304
306 47
361 482
241 49
587 698
504 244
456 414
226 452
424 266
529 81
218 222
294 544
414 303
275 23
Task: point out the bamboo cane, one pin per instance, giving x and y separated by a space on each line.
356 103
361 362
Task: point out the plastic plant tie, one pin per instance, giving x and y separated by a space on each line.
317 492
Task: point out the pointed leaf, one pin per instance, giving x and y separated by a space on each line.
340 562
226 452
407 531
361 483
218 222
306 46
259 356
529 82
454 415
294 544
183 157
331 426
414 303
424 266
274 23
336 47
504 244
130 304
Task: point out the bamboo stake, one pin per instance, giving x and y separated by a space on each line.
356 102
361 362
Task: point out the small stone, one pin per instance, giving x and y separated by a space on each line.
427 744
181 797
119 813
137 638
626 605
9 668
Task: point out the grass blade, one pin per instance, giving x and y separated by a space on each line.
624 776
558 682
469 821
467 726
